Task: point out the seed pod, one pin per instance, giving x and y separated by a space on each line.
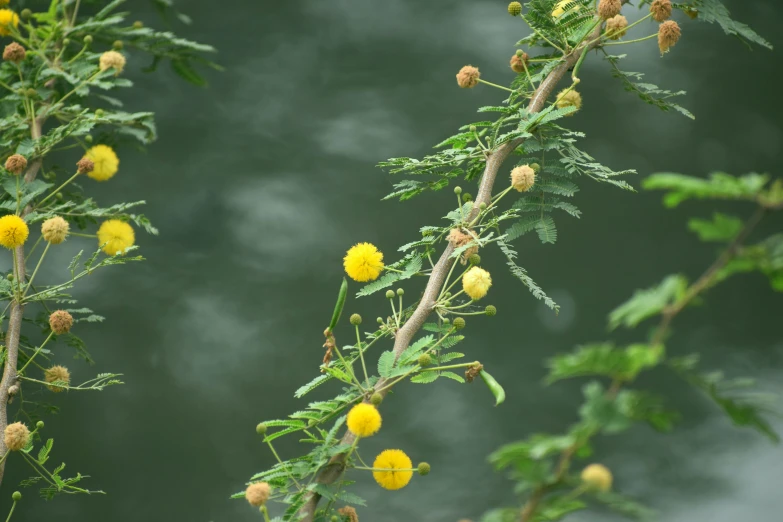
338 307
495 387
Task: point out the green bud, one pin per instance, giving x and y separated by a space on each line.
88 39
400 292
490 310
335 518
376 399
88 138
261 428
98 113
425 360
423 468
459 323
138 24
380 320
39 425
26 14
467 197
535 166
10 277
458 190
446 303
483 206
66 41
31 93
447 295
356 319
475 259
472 128
389 294
446 321
520 53
514 8
311 423
16 496
59 196
117 45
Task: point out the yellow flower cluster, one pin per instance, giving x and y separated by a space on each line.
364 420
13 231
393 469
8 19
476 283
114 236
106 162
363 262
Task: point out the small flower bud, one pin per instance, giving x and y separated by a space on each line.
389 294
335 518
376 399
459 323
523 178
400 292
425 360
26 14
475 259
482 206
88 39
85 166
117 45
257 494
98 113
468 77
138 24
380 320
458 190
59 196
661 10
16 496
356 319
15 164
490 310
467 197
88 138
14 52
39 425
446 321
16 436
473 128
609 8
31 93
514 8
668 35
66 41
423 468
597 477
261 428
535 166
60 322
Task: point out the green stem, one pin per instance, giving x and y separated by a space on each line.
280 461
37 351
35 245
40 261
266 513
632 41
495 85
450 367
349 369
361 354
58 189
13 506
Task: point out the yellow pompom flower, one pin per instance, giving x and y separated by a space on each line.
476 283
363 262
388 462
13 231
106 162
597 477
7 19
115 236
364 420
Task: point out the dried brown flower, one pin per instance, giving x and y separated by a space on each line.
609 8
60 322
57 374
668 35
468 77
14 52
15 164
661 10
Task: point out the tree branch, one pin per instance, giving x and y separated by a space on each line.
17 312
405 335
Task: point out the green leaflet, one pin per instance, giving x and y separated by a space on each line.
718 186
722 228
649 302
